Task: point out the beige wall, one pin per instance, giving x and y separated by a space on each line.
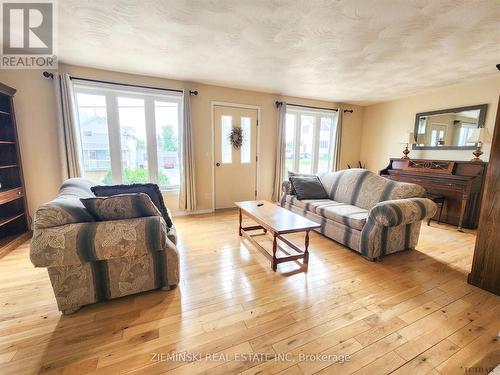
37 124
371 134
36 119
385 123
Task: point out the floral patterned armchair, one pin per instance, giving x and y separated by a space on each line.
90 261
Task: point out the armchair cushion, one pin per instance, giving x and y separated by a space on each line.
152 190
402 211
119 207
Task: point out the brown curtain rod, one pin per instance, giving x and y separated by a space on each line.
191 92
278 103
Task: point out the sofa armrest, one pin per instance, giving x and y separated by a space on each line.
286 187
402 211
78 243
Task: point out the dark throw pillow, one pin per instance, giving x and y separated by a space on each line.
152 190
120 207
297 174
308 187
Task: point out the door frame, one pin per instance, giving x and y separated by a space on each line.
213 104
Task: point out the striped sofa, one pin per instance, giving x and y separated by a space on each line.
368 213
91 261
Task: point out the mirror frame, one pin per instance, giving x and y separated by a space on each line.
480 124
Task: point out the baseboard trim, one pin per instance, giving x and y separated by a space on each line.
189 213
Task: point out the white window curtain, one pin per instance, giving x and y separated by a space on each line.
187 192
279 172
336 166
69 139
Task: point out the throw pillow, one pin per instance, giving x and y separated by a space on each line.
296 174
119 207
152 190
308 187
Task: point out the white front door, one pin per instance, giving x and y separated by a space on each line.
235 167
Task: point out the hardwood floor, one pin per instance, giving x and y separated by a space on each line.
411 313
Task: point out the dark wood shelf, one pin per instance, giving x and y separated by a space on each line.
9 195
9 166
14 188
7 220
14 215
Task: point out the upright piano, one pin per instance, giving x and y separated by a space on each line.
459 182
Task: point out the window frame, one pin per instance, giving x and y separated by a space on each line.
298 112
111 93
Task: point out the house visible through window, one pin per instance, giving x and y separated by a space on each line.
129 135
309 138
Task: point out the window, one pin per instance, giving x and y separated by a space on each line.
129 135
134 161
246 127
94 136
309 140
226 148
167 140
465 132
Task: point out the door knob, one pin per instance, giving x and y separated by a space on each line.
217 164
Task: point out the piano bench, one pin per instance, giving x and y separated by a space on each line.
439 200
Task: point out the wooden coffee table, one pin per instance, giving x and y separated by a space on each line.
278 222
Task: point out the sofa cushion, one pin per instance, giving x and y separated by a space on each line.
120 207
351 216
152 190
308 187
306 204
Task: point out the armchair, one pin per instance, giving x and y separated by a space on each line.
90 261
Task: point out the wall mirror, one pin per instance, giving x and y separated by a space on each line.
448 129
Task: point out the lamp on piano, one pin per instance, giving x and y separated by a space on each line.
408 139
479 136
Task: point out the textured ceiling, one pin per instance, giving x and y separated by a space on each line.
354 51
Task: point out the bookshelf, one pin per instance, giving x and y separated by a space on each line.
14 218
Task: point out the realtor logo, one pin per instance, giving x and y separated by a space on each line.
27 29
28 35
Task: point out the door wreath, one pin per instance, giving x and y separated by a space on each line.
236 137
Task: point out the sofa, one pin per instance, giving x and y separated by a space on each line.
365 212
90 261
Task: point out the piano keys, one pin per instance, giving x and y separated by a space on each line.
461 183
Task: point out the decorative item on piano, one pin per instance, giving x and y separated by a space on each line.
408 139
479 136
